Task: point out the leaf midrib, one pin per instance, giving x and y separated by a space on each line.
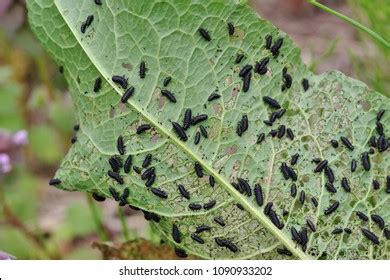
248 206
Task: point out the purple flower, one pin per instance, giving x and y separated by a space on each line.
4 6
20 138
11 150
6 257
5 166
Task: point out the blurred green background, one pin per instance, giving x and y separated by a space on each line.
37 119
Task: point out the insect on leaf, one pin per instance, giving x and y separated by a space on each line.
259 117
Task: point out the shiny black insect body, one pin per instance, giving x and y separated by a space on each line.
114 193
184 193
230 28
187 119
380 115
281 131
171 97
259 195
213 96
128 93
314 201
347 143
198 170
311 225
197 238
176 234
302 197
220 221
290 134
227 244
362 216
378 220
293 190
271 102
239 58
211 181
97 85
205 34
276 47
294 159
147 160
334 143
142 70
321 166
197 138
260 138
246 82
179 131
305 84
332 208
195 206
370 236
284 251
345 184
268 42
54 182
330 187
180 253
329 174
115 176
203 131
148 173
202 228
209 205
120 145
366 161
142 128
121 81
127 165
98 197
199 118
159 193
167 80
353 165
245 70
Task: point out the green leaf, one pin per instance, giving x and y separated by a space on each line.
164 35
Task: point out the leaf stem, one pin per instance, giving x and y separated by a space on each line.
125 229
13 220
351 21
97 219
